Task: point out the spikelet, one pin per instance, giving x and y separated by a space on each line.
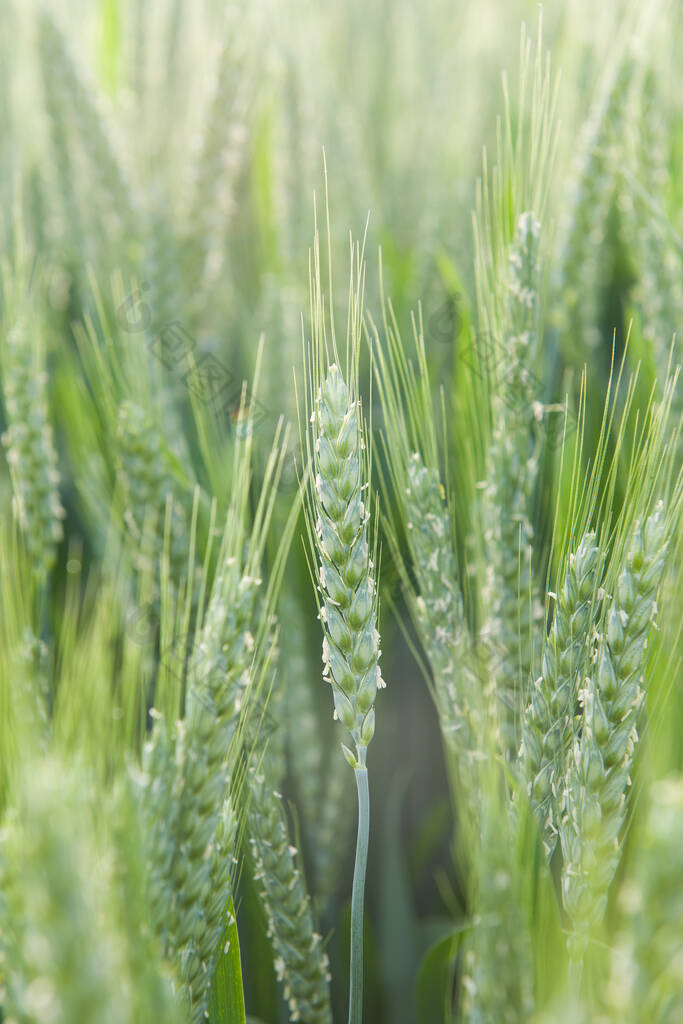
549 719
347 583
598 771
29 445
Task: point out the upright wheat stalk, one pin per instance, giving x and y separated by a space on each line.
348 611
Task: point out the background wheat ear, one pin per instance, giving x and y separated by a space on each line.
596 785
29 437
301 964
418 516
67 955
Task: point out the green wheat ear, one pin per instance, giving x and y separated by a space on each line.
646 960
67 954
596 788
349 607
511 596
29 444
337 519
348 611
301 965
549 718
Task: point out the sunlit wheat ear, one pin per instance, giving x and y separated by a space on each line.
189 766
597 780
29 444
549 719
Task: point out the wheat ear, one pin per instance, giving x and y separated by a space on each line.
513 468
440 617
598 773
301 964
79 105
190 778
29 444
338 526
548 723
66 955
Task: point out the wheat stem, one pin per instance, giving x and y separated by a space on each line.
357 897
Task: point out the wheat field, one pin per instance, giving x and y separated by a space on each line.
340 512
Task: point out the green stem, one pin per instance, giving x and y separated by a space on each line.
356 987
575 975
